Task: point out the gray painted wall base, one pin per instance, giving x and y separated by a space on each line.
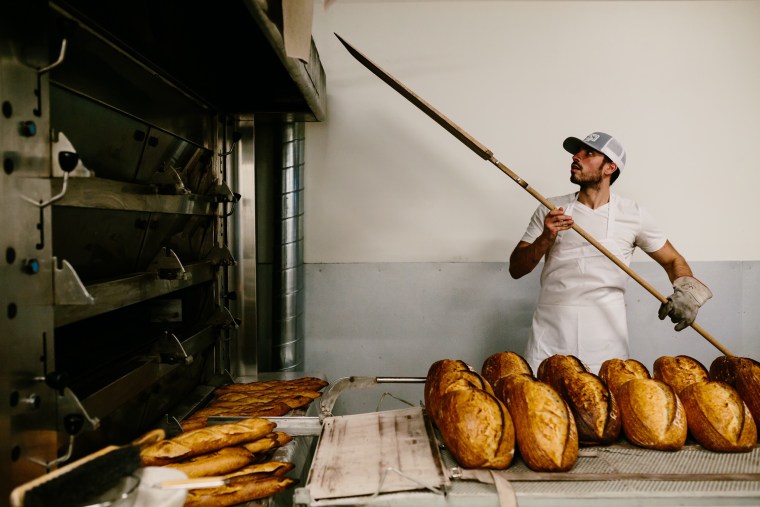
396 319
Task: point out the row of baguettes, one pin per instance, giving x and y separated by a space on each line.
241 452
564 405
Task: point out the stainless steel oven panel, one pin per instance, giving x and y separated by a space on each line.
108 143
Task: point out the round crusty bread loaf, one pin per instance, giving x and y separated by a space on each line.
616 372
718 418
545 430
435 371
477 428
502 364
652 415
553 368
723 369
743 374
593 406
450 380
679 371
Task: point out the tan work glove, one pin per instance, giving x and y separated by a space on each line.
689 294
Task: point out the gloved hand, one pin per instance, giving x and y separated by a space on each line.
689 294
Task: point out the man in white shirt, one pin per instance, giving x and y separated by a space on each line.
581 307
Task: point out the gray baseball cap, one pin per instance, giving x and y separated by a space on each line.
601 142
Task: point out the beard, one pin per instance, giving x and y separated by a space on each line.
586 180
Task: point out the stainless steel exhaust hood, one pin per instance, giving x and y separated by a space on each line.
229 54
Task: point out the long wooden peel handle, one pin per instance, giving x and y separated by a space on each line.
472 143
605 251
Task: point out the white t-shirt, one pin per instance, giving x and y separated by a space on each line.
634 227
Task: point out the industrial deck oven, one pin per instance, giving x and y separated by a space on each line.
132 264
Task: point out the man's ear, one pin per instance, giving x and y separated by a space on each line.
611 168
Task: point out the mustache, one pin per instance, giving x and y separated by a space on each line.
575 165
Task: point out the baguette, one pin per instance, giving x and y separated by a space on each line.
239 490
271 467
718 418
652 415
263 444
280 386
214 463
545 429
205 440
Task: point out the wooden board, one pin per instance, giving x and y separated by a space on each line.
377 452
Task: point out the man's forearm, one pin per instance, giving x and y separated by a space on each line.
526 256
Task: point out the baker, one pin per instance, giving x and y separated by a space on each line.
581 308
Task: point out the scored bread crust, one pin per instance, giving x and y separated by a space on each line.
552 369
438 386
594 408
679 371
616 372
205 440
240 489
743 374
501 364
718 418
218 462
652 415
545 429
477 428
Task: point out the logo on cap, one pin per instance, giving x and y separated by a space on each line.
592 137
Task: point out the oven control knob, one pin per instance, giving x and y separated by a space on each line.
31 266
28 129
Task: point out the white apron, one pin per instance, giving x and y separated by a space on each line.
581 306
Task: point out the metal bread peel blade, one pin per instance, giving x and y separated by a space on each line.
327 402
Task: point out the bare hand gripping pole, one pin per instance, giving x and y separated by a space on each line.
486 154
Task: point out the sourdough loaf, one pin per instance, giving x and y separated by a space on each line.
448 381
723 369
742 373
679 371
477 428
616 372
433 379
545 430
718 418
652 415
502 364
552 369
593 406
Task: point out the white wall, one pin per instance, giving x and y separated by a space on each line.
676 81
408 232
